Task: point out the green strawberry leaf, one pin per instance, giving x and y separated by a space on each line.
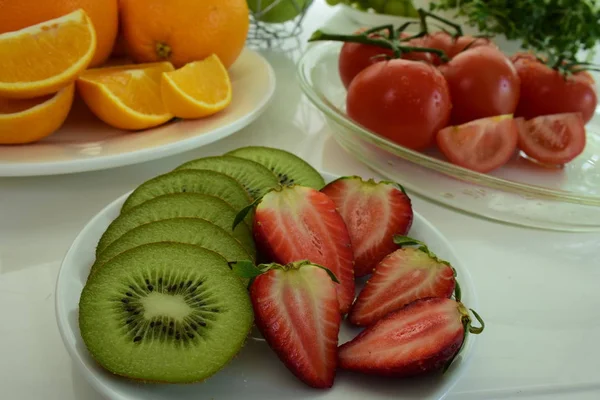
329 272
407 241
457 291
244 212
245 269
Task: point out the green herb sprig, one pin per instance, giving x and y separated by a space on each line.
557 29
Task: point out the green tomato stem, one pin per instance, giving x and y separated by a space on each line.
403 27
388 28
363 38
423 14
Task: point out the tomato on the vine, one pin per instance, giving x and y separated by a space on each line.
552 139
450 45
354 57
546 91
483 82
467 42
407 102
481 145
416 55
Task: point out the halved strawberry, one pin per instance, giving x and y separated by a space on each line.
422 337
406 275
300 223
374 213
297 311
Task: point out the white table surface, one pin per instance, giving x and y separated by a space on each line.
539 292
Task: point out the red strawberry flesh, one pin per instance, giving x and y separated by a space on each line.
300 223
420 338
297 312
374 213
402 277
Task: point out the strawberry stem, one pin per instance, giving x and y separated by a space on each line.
476 330
468 328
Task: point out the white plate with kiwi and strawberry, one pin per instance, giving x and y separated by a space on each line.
251 275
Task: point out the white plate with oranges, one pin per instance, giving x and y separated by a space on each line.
64 110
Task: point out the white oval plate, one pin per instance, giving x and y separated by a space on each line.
85 143
256 373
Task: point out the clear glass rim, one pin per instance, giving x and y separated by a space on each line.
316 51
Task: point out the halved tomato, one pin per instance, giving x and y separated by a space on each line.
552 139
481 145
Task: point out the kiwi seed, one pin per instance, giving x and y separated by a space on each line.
165 312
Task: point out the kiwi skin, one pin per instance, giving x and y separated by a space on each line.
195 231
177 205
159 356
289 168
190 181
254 177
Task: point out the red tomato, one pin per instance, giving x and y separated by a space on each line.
404 101
481 145
354 57
450 45
552 139
468 42
438 40
545 91
483 83
416 55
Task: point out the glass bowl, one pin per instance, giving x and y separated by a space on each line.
521 193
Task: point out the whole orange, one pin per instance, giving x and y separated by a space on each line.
182 31
18 14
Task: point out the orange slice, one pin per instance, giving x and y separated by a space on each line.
44 58
126 97
197 90
29 120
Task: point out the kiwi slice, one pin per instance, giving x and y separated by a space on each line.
192 205
165 312
289 168
190 181
255 178
181 230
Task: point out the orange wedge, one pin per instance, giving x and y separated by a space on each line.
29 120
46 57
197 90
126 97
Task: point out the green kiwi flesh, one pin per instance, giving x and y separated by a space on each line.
179 205
181 230
190 181
165 312
255 178
289 168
